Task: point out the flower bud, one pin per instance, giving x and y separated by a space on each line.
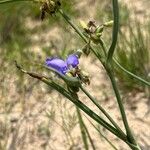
109 23
83 25
99 29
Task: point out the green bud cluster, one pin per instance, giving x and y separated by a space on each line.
94 32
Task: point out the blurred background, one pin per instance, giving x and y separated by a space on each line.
33 116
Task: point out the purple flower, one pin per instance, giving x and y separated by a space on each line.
72 60
61 65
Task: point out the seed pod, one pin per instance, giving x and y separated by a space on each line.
99 29
109 23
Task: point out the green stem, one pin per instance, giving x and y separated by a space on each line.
89 136
111 144
11 1
82 129
120 104
115 30
111 50
133 147
102 110
130 73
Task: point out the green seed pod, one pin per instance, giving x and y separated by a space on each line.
99 29
98 35
109 23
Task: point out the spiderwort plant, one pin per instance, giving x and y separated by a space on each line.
68 70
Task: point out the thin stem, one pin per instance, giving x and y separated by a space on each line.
130 73
89 136
133 147
11 1
115 30
102 110
120 104
111 144
82 129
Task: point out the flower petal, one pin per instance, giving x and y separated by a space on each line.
57 64
72 60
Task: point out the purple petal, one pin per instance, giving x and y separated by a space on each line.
57 64
72 60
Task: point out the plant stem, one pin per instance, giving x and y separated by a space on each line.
120 104
89 136
113 81
115 30
134 147
130 73
111 144
119 100
102 110
11 1
82 129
